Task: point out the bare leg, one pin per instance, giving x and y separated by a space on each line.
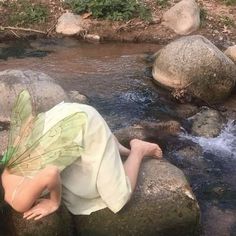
31 190
139 150
122 149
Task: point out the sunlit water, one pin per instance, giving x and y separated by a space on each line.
112 76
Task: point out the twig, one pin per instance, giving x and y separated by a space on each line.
123 26
15 34
22 29
51 28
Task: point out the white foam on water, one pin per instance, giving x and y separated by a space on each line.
223 145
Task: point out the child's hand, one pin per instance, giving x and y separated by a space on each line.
43 208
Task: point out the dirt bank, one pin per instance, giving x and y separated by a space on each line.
217 24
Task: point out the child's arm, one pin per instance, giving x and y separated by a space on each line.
45 207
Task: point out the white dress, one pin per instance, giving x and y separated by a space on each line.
96 179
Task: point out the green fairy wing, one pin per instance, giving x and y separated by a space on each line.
21 119
56 146
30 148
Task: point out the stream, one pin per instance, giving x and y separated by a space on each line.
116 79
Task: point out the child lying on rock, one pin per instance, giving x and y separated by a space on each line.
70 152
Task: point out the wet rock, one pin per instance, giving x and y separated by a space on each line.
162 204
190 151
189 159
159 132
231 53
186 110
75 96
69 24
207 123
92 37
230 105
43 89
195 65
58 223
183 18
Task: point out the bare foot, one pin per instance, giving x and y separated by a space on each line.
147 149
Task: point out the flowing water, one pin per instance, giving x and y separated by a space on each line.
111 75
215 184
115 79
224 145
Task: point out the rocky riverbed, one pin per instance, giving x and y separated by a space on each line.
116 80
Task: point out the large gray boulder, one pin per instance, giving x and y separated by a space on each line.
43 89
162 204
183 17
194 64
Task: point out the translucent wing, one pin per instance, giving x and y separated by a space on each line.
29 149
21 120
56 146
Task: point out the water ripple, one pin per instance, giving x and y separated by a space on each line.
223 145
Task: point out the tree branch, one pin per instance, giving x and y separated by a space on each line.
22 29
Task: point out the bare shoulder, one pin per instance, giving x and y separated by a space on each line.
9 183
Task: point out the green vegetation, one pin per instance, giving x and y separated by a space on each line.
227 21
203 15
110 9
162 3
23 12
229 2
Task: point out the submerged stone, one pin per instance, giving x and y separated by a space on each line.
207 123
158 132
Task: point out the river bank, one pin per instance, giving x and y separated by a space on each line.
217 23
